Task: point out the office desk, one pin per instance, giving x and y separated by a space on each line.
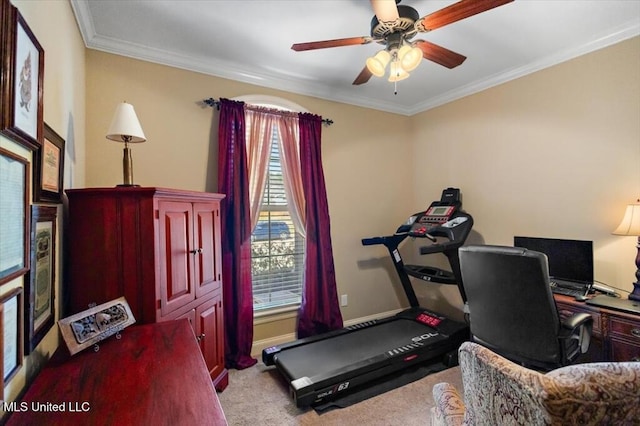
153 375
616 334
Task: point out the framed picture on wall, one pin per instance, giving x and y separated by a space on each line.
48 168
39 296
23 73
7 29
14 216
11 327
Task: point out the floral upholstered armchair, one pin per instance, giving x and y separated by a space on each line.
500 392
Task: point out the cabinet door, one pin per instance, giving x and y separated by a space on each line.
211 334
207 274
176 259
191 316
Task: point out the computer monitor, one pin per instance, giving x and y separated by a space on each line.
570 260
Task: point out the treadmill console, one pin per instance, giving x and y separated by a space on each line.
438 213
435 215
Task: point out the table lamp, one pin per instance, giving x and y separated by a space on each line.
126 128
630 225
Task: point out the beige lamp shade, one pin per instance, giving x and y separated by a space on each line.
396 72
630 224
378 63
410 57
125 126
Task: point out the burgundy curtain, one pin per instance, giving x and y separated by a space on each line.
233 181
319 311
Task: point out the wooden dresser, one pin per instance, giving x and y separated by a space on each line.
153 375
157 247
615 336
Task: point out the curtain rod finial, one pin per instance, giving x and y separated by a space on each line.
212 103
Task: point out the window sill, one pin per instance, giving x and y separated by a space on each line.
276 314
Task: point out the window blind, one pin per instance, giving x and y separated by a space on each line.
277 249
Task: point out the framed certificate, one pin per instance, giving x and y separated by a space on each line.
48 168
39 312
11 325
14 216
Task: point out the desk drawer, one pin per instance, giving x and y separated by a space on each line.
624 351
629 330
625 339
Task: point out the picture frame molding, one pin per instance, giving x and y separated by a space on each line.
11 22
42 191
37 326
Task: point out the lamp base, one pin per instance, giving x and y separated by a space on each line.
127 185
635 294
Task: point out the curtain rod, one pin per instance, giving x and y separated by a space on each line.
215 103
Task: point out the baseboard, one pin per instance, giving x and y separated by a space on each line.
259 345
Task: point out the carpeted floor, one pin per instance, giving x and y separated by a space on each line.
258 395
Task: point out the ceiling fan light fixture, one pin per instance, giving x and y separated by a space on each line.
396 72
410 57
378 63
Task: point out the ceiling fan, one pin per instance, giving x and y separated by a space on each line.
394 25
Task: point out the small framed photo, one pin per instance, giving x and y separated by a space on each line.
11 327
39 294
88 328
23 74
14 216
48 168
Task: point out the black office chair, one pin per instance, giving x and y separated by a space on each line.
512 310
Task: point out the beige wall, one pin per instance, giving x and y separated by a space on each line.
54 25
552 154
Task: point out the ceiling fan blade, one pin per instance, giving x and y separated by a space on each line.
440 55
312 45
363 77
457 11
385 10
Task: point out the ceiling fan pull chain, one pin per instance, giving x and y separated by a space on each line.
395 87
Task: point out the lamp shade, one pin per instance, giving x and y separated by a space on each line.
396 72
378 63
630 224
410 57
125 125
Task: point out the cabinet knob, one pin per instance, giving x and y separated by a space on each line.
635 332
196 251
200 337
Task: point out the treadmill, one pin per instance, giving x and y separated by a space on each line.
327 366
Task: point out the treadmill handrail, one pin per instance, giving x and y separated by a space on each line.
390 241
454 237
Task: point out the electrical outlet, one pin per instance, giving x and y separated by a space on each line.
344 300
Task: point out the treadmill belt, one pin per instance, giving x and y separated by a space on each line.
382 385
341 351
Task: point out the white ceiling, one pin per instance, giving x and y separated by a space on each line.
250 41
